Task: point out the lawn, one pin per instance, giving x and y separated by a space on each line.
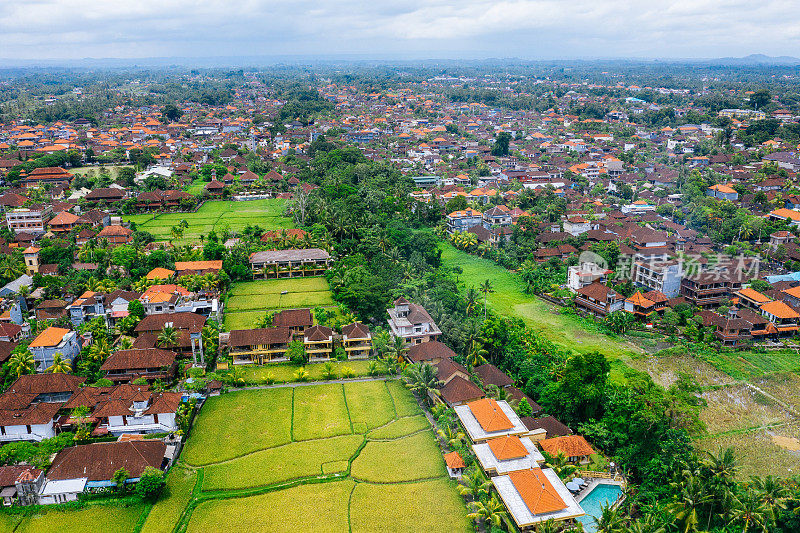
400 428
370 405
426 506
215 215
409 458
320 412
165 514
238 423
319 508
92 519
284 463
285 372
510 299
250 299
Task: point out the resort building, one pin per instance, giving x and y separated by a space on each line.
125 366
260 346
318 341
412 323
357 340
289 263
506 454
31 219
488 418
535 495
574 447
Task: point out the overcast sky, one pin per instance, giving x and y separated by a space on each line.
537 29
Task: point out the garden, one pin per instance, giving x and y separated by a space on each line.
333 457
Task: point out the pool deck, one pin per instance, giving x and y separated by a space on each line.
600 481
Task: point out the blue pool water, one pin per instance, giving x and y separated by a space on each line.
602 494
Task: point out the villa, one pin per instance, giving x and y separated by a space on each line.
506 454
535 495
412 323
488 418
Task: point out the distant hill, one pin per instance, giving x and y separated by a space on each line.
756 59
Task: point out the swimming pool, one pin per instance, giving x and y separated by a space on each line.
602 494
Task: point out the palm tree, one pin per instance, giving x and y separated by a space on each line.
421 378
477 355
486 287
168 336
561 465
100 350
751 512
452 436
491 512
22 363
610 521
647 524
397 348
471 300
474 484
60 365
772 494
10 269
690 499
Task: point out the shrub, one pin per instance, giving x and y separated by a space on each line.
348 372
150 484
301 375
328 371
297 352
196 372
269 379
373 369
524 408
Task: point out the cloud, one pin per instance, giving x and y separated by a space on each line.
39 29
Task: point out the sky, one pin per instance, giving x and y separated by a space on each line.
530 29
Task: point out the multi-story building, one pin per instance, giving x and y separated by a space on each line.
289 263
54 341
598 299
463 220
710 288
357 340
663 276
412 323
265 345
318 341
31 219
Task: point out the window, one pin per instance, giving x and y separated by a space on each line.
28 427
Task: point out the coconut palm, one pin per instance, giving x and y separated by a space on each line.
772 493
22 363
647 524
474 484
100 350
751 512
691 498
610 521
491 512
486 288
10 269
421 378
60 365
168 336
452 436
561 465
397 349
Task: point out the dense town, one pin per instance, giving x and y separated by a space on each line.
506 299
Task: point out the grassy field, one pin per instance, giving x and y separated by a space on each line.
289 459
274 465
318 508
739 407
92 519
250 299
510 299
320 412
164 517
212 440
215 215
768 451
410 458
427 506
285 372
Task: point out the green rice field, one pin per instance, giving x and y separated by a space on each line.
249 300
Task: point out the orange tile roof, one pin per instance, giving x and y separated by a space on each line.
571 445
506 448
198 265
779 309
454 460
160 273
537 492
756 296
639 299
489 415
49 337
